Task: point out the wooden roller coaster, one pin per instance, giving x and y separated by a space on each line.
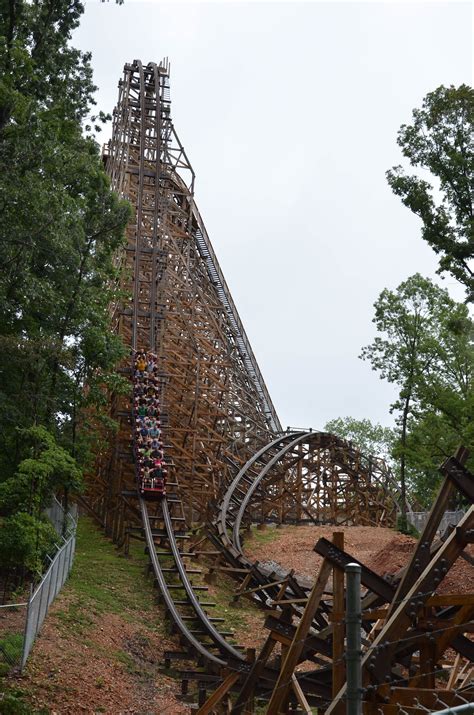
231 464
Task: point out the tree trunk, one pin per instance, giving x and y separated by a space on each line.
403 490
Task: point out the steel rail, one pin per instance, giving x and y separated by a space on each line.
256 483
200 613
163 586
224 506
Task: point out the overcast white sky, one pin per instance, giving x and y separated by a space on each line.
289 113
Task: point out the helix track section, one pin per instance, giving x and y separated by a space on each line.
260 479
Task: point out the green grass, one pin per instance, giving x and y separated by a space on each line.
12 702
11 648
235 617
104 582
264 536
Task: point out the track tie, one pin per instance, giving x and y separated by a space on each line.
204 604
209 618
170 553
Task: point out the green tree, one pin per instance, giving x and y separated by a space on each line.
61 229
424 348
371 439
25 541
440 140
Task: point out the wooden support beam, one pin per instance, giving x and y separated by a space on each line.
300 696
421 555
377 662
340 559
248 687
219 694
262 587
294 651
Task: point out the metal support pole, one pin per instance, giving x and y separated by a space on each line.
353 649
464 709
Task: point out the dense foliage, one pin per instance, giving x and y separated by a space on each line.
424 342
424 346
441 141
60 228
371 439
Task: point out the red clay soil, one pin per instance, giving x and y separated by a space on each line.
383 550
71 675
292 546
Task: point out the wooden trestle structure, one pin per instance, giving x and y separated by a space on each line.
230 462
218 411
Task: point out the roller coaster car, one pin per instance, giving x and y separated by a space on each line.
153 488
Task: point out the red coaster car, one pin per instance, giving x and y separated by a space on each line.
153 488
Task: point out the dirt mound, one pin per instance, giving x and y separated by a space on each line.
393 556
293 546
382 550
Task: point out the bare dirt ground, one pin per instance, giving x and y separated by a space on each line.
292 546
383 550
111 669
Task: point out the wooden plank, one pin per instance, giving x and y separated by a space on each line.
421 555
300 696
369 578
262 587
218 694
294 651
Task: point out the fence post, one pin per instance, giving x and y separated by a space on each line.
25 651
353 650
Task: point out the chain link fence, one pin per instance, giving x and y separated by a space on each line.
418 519
46 591
21 622
61 521
12 629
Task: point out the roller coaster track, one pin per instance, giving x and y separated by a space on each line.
221 431
203 641
144 336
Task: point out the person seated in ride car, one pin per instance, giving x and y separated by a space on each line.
139 389
145 451
141 363
154 431
159 484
